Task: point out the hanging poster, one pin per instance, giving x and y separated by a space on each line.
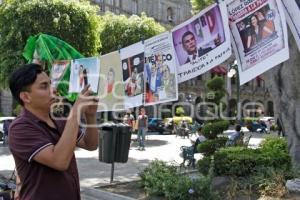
160 70
57 71
259 34
292 12
111 93
84 71
202 42
132 58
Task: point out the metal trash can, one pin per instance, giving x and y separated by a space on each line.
123 140
107 140
114 142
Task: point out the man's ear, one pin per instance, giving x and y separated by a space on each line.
25 97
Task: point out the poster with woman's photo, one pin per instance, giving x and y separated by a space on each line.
132 58
259 35
160 70
57 71
292 12
202 42
111 93
84 71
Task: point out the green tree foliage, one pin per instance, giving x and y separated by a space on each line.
180 111
199 5
118 31
72 21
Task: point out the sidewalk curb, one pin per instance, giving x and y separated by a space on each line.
98 194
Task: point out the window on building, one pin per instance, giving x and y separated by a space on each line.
170 15
258 82
134 6
199 78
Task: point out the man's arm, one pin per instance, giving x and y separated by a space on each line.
59 156
90 139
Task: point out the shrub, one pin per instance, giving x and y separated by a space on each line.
241 161
156 175
160 179
212 129
208 147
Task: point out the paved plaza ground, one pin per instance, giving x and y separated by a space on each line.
94 173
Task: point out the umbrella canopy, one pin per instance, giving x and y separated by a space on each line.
47 49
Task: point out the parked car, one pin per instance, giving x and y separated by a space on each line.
2 120
156 125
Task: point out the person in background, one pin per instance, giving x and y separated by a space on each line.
201 138
235 137
279 128
142 127
129 119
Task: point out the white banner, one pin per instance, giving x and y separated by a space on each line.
259 34
132 58
160 70
292 12
202 42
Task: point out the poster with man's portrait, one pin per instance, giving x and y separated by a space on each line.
84 71
259 35
160 70
111 93
292 12
202 42
132 64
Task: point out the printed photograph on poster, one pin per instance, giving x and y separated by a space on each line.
160 70
202 42
84 71
257 29
133 74
57 71
259 35
292 11
110 92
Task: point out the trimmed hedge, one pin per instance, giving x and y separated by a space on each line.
241 161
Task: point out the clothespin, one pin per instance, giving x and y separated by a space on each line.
142 39
119 48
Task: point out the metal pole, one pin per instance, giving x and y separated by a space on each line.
113 154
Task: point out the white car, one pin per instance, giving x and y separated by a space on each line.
2 120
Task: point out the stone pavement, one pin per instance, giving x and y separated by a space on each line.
94 173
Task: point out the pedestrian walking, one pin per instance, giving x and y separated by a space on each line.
142 126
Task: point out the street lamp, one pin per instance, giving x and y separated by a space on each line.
233 70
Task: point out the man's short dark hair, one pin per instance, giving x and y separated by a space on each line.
22 78
186 34
238 128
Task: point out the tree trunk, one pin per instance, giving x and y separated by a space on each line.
283 82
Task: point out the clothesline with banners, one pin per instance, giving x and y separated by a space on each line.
148 72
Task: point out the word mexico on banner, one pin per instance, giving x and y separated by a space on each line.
259 35
202 42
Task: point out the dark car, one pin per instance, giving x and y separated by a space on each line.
156 125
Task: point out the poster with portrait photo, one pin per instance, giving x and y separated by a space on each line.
111 93
259 33
160 70
57 71
292 12
84 71
202 42
132 58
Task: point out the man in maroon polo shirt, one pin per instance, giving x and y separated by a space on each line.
42 147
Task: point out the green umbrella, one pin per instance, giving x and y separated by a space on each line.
49 49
